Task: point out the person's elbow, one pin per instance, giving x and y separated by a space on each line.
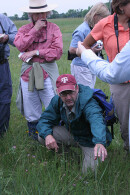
72 50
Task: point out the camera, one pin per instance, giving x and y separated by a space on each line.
99 44
71 56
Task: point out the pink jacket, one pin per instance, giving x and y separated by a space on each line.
28 39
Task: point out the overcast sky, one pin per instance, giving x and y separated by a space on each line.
11 7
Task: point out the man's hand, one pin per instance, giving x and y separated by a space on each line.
50 143
100 151
80 49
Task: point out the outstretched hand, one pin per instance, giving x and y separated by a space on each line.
50 143
27 55
100 151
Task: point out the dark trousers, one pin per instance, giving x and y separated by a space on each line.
5 96
4 118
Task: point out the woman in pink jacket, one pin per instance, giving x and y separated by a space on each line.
40 45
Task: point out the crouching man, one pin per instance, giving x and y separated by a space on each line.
83 121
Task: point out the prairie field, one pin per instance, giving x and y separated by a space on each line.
28 168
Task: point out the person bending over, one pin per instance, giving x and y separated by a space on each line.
83 122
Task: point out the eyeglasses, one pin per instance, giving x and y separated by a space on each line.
67 92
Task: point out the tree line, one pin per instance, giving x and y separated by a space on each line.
71 13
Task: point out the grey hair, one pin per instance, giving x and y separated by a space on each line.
98 9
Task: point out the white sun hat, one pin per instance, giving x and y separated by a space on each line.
38 6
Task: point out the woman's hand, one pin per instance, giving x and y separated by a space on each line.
40 24
80 48
26 55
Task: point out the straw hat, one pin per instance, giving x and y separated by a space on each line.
37 6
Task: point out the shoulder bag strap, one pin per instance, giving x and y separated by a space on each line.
116 30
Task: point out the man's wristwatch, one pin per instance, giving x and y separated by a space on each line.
37 53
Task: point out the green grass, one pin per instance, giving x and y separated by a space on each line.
27 168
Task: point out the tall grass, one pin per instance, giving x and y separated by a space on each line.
27 168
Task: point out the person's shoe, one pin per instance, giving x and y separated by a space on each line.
32 130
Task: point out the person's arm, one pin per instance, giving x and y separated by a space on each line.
49 118
27 34
77 35
51 143
29 54
94 47
117 71
49 50
25 37
93 115
96 34
10 30
89 41
100 151
54 48
72 50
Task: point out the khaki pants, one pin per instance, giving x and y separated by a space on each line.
33 100
83 75
62 136
121 99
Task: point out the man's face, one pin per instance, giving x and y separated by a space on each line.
69 97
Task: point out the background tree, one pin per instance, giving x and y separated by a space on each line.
25 16
5 14
16 17
54 14
71 13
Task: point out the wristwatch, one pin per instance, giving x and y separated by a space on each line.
37 53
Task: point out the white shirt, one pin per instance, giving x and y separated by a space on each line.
118 71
